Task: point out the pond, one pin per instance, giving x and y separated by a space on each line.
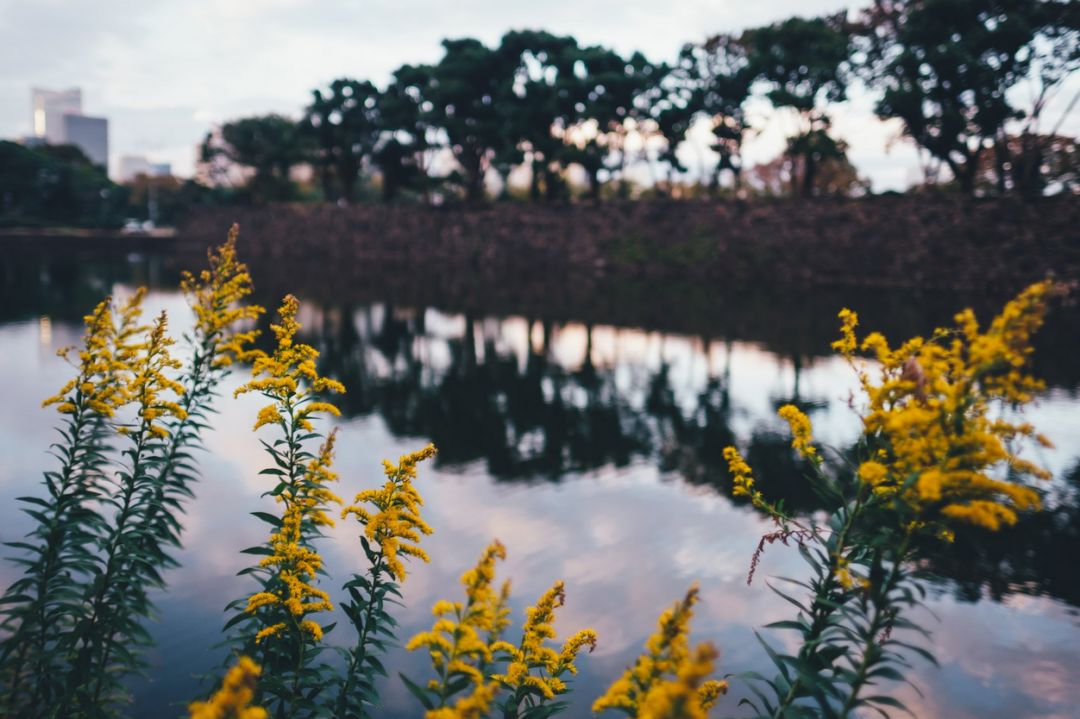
589 442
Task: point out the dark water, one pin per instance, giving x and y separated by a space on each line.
588 441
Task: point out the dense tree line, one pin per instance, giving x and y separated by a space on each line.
943 68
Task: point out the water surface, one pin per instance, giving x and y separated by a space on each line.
591 449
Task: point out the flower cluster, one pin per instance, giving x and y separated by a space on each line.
931 412
311 494
669 680
296 566
802 437
233 700
288 376
395 525
534 654
456 642
101 384
215 296
149 382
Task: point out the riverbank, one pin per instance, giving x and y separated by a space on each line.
917 242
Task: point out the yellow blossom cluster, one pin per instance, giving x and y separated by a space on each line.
669 680
395 525
534 654
690 694
311 494
297 565
802 437
289 377
215 296
931 409
103 368
149 384
456 642
233 700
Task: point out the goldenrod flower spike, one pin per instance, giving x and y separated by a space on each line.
456 643
683 697
288 376
533 652
395 523
931 411
668 674
110 345
215 296
149 381
802 436
233 700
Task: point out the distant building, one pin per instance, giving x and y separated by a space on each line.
59 120
89 134
131 166
49 108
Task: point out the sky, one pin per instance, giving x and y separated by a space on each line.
164 71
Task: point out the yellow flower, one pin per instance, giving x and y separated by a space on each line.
215 296
801 430
665 680
288 376
395 526
297 565
682 697
710 692
149 383
233 700
933 409
103 368
533 652
455 642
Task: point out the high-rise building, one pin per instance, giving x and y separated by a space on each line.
89 134
49 108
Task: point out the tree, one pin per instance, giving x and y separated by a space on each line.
404 150
547 94
56 185
944 68
804 62
467 90
613 93
717 77
269 146
346 123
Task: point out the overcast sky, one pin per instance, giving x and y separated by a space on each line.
164 71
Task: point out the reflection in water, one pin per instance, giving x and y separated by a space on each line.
593 452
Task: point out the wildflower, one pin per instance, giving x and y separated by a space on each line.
395 525
103 362
664 682
149 381
710 692
312 494
288 376
744 481
683 698
456 644
297 565
533 652
801 431
233 700
932 408
215 296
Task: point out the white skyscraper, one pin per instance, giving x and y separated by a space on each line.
49 108
59 120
